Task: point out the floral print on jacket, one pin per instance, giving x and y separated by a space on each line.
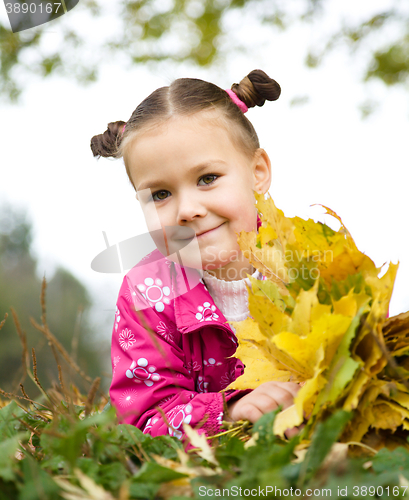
172 351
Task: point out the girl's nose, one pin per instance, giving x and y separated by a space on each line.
190 207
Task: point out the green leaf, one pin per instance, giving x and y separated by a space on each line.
270 290
266 458
55 464
37 483
143 490
8 450
8 421
228 453
151 472
68 446
341 288
129 434
88 466
165 446
264 429
342 368
101 418
73 435
386 460
272 478
322 440
112 476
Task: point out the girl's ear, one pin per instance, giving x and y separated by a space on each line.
261 171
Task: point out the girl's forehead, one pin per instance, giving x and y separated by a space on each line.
175 147
183 136
210 121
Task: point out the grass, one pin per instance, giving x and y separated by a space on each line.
65 444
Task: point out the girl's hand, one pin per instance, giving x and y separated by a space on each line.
267 397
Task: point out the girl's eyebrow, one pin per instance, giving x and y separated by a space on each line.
197 169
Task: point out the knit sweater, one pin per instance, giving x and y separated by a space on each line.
231 297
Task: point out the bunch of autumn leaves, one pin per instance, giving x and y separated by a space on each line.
321 319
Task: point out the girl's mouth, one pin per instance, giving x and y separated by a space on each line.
200 235
205 233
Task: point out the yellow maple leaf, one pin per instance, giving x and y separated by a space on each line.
270 318
348 305
268 260
266 234
386 416
272 215
258 367
286 419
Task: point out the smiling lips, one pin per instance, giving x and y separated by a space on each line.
199 235
209 231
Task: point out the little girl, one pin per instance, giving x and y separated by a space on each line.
195 161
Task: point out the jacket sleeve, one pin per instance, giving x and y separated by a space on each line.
151 386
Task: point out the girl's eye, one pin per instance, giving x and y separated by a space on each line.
159 195
163 194
206 177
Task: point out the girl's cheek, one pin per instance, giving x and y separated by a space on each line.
247 221
156 215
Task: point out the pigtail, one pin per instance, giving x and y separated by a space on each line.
256 88
107 144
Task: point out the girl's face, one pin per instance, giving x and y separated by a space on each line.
188 173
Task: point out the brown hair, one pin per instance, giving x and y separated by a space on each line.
187 96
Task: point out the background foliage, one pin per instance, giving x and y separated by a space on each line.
20 287
144 31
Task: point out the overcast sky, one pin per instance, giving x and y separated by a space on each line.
321 152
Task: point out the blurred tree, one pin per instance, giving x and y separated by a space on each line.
190 30
67 306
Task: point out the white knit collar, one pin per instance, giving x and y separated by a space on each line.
231 297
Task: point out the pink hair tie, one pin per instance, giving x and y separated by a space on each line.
237 101
123 130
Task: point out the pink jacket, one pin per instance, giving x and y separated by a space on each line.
171 351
